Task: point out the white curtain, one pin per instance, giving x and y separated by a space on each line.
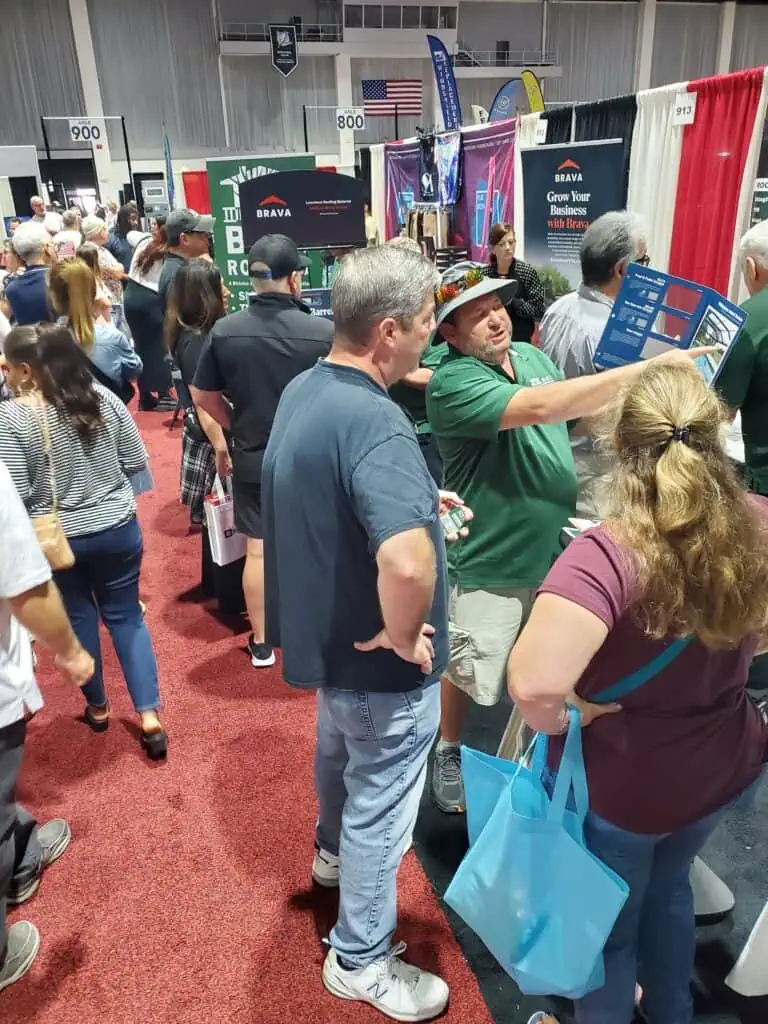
654 168
595 45
157 64
379 190
266 111
750 37
382 129
525 138
737 289
40 73
685 43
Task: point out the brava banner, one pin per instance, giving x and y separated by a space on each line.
317 209
488 189
565 189
224 180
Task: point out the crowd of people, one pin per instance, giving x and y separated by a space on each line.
402 478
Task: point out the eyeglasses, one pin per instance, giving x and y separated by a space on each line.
643 261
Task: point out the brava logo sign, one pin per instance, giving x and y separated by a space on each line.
569 170
273 206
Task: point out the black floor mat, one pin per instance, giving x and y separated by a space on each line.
738 852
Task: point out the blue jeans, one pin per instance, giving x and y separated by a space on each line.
653 941
104 582
370 767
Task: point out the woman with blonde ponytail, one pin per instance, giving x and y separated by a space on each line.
675 582
114 362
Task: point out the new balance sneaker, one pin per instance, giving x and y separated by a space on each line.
262 655
397 989
447 784
325 868
20 952
54 837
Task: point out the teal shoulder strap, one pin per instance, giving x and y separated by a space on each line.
633 682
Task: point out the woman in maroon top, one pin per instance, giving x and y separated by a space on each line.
683 553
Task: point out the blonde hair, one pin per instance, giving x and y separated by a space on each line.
698 551
73 292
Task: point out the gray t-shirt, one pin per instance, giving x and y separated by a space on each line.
343 472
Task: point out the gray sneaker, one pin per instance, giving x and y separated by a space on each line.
20 953
54 837
447 784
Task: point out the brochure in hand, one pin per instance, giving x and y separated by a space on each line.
655 312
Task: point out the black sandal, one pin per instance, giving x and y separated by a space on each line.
155 743
96 724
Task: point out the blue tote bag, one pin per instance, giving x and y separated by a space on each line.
528 886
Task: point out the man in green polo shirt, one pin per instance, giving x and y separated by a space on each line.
743 382
498 411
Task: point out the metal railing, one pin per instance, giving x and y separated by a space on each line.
258 32
468 58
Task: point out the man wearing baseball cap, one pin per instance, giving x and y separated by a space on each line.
251 356
189 236
498 410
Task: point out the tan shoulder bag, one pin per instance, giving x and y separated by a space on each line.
48 529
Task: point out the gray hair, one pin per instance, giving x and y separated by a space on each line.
70 218
755 244
405 242
29 240
377 283
613 237
92 226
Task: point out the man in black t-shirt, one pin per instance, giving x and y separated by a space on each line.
251 356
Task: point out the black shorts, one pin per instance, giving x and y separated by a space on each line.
246 497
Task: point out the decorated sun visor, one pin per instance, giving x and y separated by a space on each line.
317 209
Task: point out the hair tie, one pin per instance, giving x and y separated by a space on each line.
681 434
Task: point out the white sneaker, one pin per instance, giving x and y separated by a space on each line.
325 869
395 988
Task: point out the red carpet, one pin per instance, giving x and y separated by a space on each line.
184 898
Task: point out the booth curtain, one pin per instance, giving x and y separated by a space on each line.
608 119
196 194
654 166
715 150
737 289
558 124
525 138
379 190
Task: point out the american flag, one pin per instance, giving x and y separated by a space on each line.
380 96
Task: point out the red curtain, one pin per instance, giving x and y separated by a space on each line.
196 191
714 153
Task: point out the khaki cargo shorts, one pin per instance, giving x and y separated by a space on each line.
482 628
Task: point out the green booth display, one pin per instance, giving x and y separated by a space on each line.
224 180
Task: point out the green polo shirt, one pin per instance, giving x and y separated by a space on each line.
414 400
520 484
743 385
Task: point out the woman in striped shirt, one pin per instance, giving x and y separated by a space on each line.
94 449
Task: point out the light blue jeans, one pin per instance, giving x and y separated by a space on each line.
370 767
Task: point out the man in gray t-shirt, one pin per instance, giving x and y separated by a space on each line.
573 326
357 599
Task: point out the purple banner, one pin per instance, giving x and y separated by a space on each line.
401 174
488 193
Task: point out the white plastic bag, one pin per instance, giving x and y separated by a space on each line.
227 544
